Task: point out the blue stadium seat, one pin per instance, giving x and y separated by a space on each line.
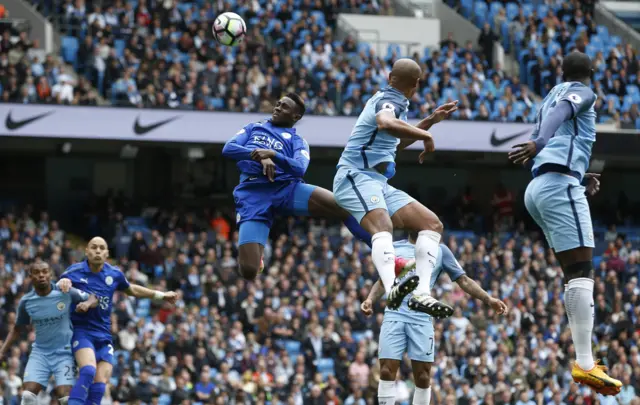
325 367
512 11
70 46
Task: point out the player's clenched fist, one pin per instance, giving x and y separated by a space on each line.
171 297
367 307
498 306
64 285
83 307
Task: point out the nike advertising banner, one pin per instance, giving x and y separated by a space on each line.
129 124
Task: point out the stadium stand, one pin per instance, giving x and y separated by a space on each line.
165 57
254 344
539 33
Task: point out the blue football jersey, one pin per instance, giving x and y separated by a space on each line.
50 316
446 263
97 321
292 151
571 145
367 146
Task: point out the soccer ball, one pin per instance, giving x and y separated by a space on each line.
229 29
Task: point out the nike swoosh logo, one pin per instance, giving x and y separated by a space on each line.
12 124
139 129
495 141
429 253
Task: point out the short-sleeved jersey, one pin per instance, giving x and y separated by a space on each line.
446 263
51 317
264 135
97 321
571 145
368 146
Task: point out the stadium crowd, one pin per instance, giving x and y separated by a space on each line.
162 55
297 336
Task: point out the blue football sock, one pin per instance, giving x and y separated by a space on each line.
80 390
357 230
96 392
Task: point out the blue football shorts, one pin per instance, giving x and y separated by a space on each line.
397 337
360 191
257 204
43 364
103 348
558 204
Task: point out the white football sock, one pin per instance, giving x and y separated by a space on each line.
384 258
578 301
386 392
427 250
422 396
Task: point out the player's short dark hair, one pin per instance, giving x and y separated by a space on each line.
577 66
299 102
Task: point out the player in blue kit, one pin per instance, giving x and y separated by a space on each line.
558 154
361 186
92 344
272 159
405 330
47 308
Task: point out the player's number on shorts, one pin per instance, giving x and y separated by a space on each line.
430 352
70 371
103 302
110 350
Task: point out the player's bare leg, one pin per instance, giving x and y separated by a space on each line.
62 393
387 385
417 218
99 386
322 203
30 393
378 223
422 378
577 265
86 361
250 260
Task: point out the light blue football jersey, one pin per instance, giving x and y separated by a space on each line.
367 146
446 263
571 145
50 316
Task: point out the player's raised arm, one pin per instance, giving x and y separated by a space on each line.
235 149
387 120
296 165
441 113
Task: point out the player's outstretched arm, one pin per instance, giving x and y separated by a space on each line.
474 290
377 291
387 121
441 113
235 149
139 291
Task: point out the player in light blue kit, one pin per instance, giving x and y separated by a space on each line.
92 344
558 155
405 330
273 158
360 186
47 308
